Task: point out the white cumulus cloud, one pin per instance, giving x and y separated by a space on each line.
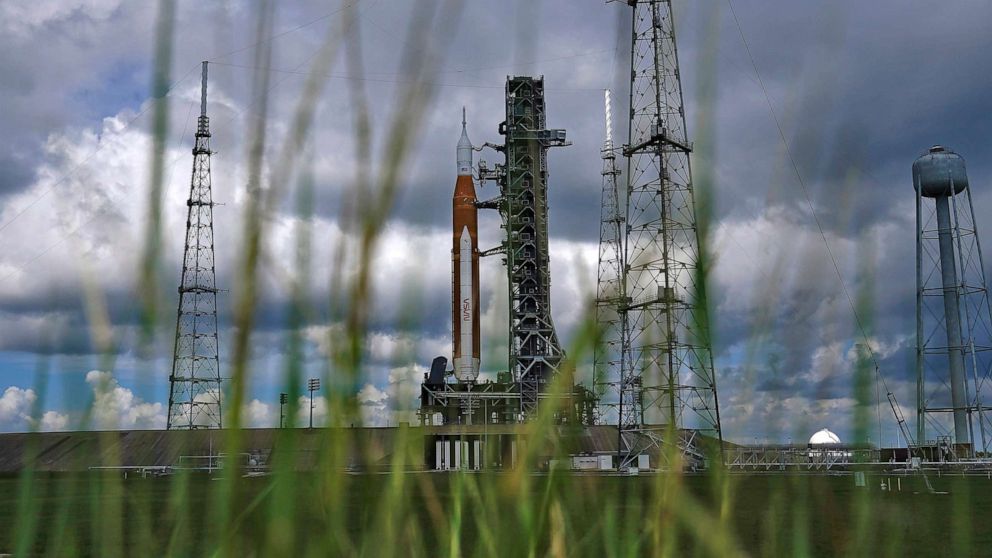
319 411
117 408
16 407
257 414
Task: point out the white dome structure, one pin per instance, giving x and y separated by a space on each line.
824 437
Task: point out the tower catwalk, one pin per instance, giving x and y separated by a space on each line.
195 382
665 380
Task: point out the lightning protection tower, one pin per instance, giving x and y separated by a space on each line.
609 287
665 374
195 382
953 320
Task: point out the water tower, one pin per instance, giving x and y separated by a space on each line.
953 321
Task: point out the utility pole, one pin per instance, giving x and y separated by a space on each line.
313 385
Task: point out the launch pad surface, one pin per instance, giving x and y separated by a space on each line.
476 447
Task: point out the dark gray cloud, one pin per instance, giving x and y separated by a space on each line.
858 99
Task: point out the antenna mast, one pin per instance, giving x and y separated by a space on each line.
195 382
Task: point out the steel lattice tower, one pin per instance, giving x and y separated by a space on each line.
666 378
195 382
953 316
535 353
607 358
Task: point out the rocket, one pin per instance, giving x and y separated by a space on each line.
465 266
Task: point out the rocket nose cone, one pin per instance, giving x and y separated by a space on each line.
463 141
464 150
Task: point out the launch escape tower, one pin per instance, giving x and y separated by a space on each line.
195 382
656 357
953 319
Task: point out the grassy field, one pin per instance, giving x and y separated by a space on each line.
443 514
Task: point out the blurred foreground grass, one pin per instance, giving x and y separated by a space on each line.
481 514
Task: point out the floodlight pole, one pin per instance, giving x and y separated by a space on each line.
313 385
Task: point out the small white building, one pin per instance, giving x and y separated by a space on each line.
824 446
824 437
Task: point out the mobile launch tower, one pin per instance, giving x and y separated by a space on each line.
535 353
